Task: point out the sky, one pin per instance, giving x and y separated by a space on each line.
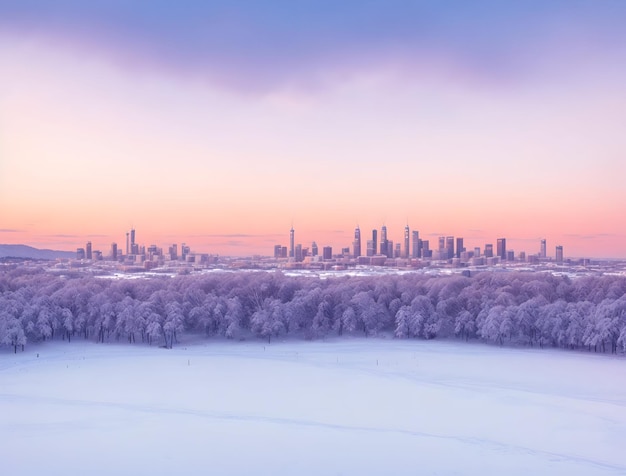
222 124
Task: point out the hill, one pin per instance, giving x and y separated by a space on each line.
24 251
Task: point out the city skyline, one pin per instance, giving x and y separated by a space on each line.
411 247
223 125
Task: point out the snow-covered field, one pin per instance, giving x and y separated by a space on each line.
324 408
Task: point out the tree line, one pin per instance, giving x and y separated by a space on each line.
534 309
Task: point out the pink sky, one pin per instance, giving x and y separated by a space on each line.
90 146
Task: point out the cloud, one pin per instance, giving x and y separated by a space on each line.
269 45
11 230
592 236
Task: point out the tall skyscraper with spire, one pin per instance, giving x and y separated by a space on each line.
407 239
292 243
383 241
357 242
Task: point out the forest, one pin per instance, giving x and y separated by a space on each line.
504 308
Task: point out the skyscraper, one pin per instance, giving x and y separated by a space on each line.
450 246
357 242
375 240
113 251
416 244
88 253
501 248
383 241
314 249
442 243
292 245
127 244
543 250
407 236
559 254
327 252
459 247
489 250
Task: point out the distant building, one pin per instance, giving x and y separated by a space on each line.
80 253
450 246
559 254
174 252
88 252
357 242
374 241
543 250
407 237
426 252
113 251
371 248
489 250
327 252
459 247
314 250
277 251
383 241
298 253
477 252
501 250
442 243
292 241
398 252
415 239
510 255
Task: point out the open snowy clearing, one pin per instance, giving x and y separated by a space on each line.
370 406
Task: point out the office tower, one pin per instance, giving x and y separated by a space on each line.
510 255
425 249
459 247
283 252
398 252
357 242
374 241
345 252
442 243
132 238
277 250
173 252
314 250
389 253
488 250
522 256
327 252
407 235
88 253
299 252
501 248
113 251
80 253
416 244
184 251
292 247
559 254
477 251
543 251
383 240
127 244
371 250
450 246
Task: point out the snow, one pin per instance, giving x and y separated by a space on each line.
351 406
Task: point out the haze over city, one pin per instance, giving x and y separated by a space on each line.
224 124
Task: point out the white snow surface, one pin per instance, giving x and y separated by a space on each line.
340 407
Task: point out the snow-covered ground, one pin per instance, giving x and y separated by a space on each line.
321 408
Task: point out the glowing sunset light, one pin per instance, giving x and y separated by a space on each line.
220 125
